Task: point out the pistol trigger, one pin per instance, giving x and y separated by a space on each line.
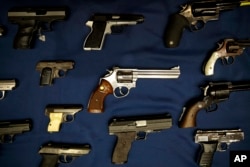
141 135
2 94
41 37
65 158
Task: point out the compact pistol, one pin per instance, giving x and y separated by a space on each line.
215 140
59 114
10 128
52 69
6 85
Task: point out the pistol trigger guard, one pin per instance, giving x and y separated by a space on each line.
2 95
222 146
68 120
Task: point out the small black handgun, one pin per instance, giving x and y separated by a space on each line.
32 21
8 129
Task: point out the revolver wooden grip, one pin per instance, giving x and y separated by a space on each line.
97 98
188 118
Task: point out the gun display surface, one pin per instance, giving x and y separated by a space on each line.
194 15
6 85
32 21
53 69
128 129
54 153
213 93
2 30
8 129
124 79
59 114
214 140
226 51
102 24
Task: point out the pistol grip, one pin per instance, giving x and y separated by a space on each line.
94 40
123 145
209 67
174 30
55 122
49 160
46 76
188 118
97 98
207 153
24 38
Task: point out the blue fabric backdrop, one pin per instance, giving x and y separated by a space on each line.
139 46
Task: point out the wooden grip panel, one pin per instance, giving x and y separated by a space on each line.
188 119
97 98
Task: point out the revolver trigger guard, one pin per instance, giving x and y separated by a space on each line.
121 94
197 25
212 107
2 95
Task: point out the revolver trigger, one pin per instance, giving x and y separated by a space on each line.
228 60
212 107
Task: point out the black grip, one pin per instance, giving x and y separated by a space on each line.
96 37
46 76
49 160
207 153
24 38
173 33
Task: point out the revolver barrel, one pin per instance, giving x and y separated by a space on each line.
172 73
134 74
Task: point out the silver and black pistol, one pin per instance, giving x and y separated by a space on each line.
54 153
215 140
103 23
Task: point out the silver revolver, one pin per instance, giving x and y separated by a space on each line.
215 140
6 85
124 79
